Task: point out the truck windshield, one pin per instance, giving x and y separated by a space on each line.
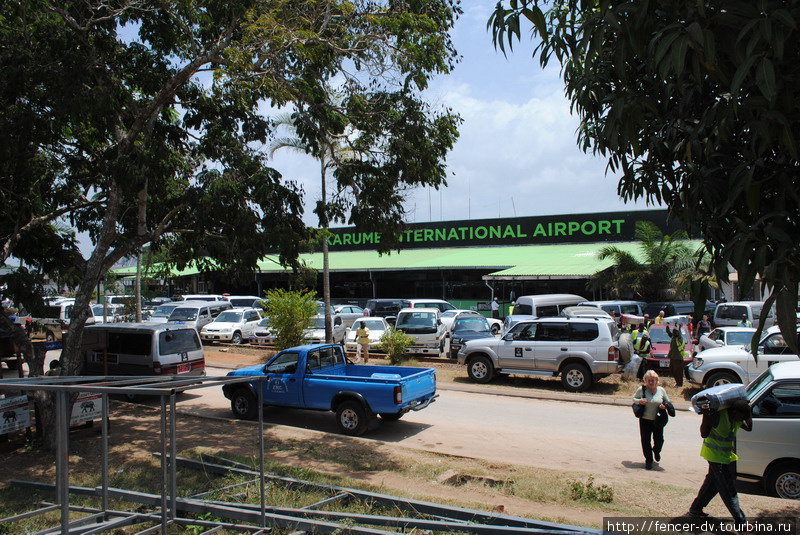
417 322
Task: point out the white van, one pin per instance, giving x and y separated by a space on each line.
618 307
545 305
195 314
730 314
425 325
203 297
142 349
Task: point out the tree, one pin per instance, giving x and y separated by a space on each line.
289 313
695 104
655 276
140 123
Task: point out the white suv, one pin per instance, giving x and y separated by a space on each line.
234 325
580 350
769 453
735 364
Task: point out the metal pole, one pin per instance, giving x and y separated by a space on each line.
105 453
260 384
172 457
62 458
163 466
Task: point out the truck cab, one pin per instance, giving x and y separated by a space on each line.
426 327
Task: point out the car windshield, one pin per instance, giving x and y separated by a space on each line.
372 325
757 386
416 320
477 325
229 316
658 336
163 311
242 301
183 314
739 338
449 313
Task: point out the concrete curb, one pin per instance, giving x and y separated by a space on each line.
529 394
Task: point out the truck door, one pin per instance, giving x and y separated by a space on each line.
282 388
516 349
552 342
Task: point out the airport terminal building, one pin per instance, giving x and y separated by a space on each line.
465 262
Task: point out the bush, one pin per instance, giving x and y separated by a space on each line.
395 343
588 492
289 314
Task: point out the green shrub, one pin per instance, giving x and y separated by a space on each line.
289 313
588 492
395 343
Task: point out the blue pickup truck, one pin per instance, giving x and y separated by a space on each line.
319 377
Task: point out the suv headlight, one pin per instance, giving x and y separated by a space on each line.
697 362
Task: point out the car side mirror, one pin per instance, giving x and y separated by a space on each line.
509 337
719 343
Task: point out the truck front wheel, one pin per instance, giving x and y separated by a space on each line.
352 418
244 404
480 369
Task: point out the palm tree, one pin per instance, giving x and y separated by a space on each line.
656 275
330 150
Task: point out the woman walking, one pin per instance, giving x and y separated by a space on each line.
651 432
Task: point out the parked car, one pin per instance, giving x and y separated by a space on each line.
725 336
349 313
196 314
203 297
262 334
584 311
448 316
513 319
580 350
384 308
659 346
618 307
376 326
466 327
318 377
316 333
545 305
441 304
730 314
735 364
161 313
245 301
233 326
670 308
104 313
56 319
425 325
769 453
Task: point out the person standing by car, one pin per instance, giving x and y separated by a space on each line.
362 338
660 318
495 309
703 326
677 350
651 432
745 322
718 430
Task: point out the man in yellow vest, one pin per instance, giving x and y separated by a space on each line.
718 430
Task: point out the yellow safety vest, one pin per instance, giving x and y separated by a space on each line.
718 445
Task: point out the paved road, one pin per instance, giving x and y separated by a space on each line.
600 439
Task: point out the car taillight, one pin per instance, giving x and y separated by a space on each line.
613 353
398 395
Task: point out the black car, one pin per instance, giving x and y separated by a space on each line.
467 327
385 308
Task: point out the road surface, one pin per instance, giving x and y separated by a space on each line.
583 437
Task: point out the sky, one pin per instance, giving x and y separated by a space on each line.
517 154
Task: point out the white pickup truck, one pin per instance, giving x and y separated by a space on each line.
425 325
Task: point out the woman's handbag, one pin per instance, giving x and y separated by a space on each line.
638 410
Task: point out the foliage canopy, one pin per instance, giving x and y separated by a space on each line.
696 105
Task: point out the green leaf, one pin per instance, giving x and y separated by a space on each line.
741 73
765 79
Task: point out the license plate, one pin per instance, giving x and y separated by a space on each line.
184 368
664 363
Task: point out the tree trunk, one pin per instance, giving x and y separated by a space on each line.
326 278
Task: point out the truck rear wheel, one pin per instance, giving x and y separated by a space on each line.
480 369
352 418
244 404
783 481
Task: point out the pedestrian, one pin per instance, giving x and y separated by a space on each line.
362 339
745 322
651 431
718 430
677 352
642 348
55 368
647 321
703 326
690 325
660 318
495 309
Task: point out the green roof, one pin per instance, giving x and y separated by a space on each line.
523 262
